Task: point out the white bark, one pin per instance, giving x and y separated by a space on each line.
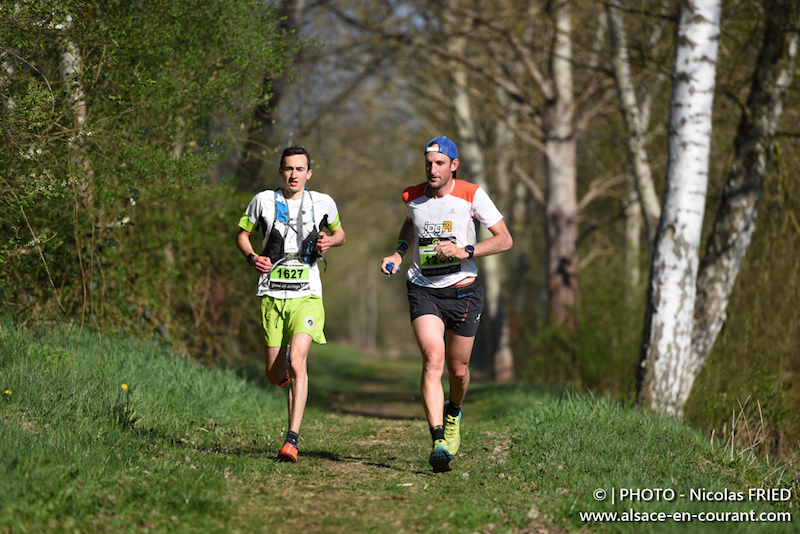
473 169
635 120
667 368
70 68
6 72
561 154
633 231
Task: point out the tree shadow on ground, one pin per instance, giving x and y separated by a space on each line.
345 381
362 460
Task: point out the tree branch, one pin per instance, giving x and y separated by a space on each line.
599 186
545 86
529 182
600 224
645 12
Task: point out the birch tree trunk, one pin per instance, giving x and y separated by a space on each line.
635 125
561 210
473 169
735 219
633 231
70 72
7 70
667 368
503 354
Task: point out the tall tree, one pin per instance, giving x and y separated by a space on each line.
561 153
735 219
635 119
664 375
257 146
99 96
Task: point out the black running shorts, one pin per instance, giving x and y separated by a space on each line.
459 308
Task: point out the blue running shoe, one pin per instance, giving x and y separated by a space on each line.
440 457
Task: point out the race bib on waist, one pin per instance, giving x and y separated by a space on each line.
290 275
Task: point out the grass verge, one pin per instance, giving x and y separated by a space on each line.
184 448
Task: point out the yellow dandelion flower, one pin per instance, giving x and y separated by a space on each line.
7 392
124 386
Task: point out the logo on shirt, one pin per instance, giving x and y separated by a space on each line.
438 228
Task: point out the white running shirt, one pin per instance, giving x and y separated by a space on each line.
260 213
454 217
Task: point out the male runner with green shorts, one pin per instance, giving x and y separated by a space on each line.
445 295
291 219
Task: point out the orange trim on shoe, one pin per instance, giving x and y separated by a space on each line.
285 381
288 453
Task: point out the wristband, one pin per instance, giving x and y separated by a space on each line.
401 248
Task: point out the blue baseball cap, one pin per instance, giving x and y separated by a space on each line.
446 147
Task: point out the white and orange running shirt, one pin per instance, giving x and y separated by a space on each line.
454 217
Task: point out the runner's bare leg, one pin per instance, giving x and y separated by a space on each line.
459 352
429 331
298 372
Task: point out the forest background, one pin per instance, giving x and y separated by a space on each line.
134 134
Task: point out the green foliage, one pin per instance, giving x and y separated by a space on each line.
748 390
602 353
610 329
177 275
130 118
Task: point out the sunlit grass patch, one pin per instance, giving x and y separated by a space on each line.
115 428
125 435
570 448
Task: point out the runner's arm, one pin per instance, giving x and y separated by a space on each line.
324 241
499 242
262 264
407 235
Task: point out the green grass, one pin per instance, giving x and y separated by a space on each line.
75 448
185 448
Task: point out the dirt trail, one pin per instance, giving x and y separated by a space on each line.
363 467
381 400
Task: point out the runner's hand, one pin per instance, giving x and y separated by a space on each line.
323 243
395 258
446 249
262 264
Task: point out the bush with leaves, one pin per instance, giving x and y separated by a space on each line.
106 105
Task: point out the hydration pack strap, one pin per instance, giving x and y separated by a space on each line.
275 245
